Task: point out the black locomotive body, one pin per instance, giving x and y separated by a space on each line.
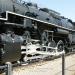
26 20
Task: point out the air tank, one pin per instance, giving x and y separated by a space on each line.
62 31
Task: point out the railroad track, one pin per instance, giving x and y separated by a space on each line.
49 58
23 65
30 66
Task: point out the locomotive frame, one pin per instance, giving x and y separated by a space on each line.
30 28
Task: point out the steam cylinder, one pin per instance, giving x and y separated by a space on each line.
10 48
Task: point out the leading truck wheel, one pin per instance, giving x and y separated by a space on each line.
60 46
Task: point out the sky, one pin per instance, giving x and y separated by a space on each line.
64 7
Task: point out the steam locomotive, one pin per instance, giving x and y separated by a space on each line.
22 23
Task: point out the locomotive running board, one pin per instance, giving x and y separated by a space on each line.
8 12
4 19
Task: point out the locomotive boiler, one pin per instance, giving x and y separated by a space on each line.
29 22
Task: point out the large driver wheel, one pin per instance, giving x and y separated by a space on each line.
51 44
2 71
27 37
26 42
44 38
60 46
